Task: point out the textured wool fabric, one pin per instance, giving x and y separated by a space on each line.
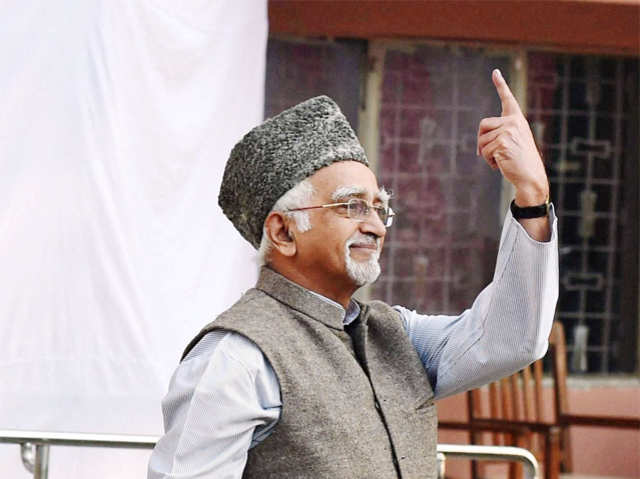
276 155
361 409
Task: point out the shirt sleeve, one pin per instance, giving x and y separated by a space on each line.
506 328
223 398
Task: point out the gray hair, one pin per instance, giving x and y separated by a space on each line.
297 197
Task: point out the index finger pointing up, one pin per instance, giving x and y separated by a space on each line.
509 103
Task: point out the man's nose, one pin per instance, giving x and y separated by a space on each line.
373 224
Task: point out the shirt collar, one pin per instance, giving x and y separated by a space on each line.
350 315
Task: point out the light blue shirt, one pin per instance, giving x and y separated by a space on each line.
224 397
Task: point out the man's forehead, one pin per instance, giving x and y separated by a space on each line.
346 191
344 179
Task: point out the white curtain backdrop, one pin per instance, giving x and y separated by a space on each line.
116 119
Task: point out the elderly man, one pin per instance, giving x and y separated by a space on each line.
297 379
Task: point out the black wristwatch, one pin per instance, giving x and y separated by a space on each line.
528 212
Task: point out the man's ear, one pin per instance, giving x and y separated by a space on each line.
277 229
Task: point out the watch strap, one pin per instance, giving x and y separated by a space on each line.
528 212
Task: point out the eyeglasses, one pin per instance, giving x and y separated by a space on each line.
357 209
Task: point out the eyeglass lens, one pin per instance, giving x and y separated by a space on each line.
359 209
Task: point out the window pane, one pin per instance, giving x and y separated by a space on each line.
441 251
300 69
582 109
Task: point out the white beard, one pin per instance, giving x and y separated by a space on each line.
362 272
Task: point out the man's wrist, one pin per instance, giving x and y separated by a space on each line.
526 197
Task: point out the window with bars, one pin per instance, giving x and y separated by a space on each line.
583 110
442 248
299 70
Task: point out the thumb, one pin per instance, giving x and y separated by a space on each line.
509 102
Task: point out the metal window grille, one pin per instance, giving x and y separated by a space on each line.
580 115
441 251
301 69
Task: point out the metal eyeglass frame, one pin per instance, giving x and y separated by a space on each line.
385 213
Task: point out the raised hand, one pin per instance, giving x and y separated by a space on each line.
506 143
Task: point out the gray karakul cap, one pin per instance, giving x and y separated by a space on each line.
278 154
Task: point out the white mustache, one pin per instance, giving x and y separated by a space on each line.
362 239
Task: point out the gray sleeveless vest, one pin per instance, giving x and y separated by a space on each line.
351 408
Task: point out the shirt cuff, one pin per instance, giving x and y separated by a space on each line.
553 221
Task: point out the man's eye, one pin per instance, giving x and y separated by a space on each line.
361 207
